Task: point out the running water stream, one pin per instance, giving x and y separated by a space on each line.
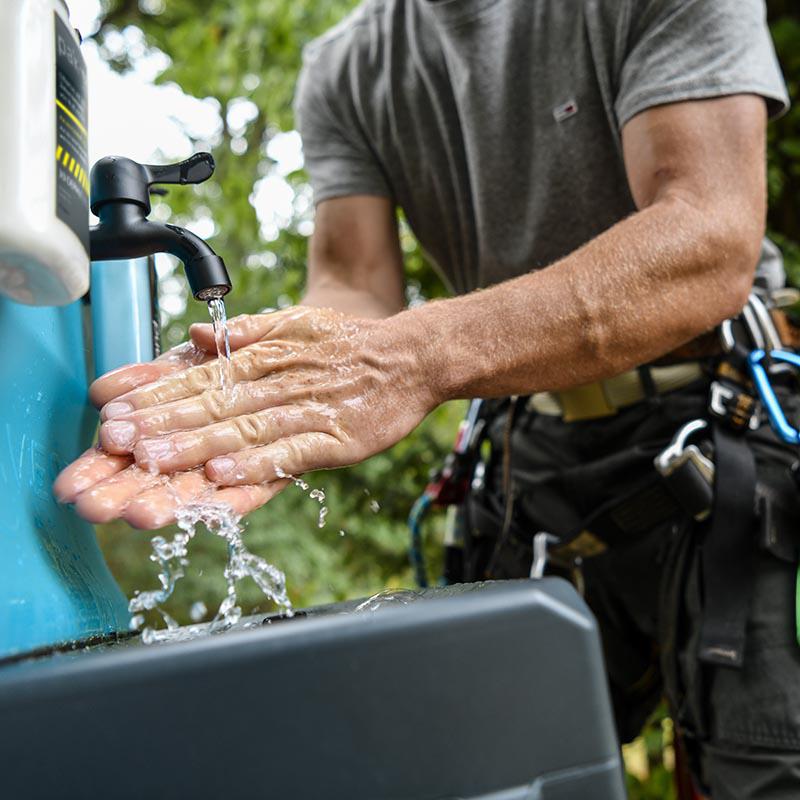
219 321
172 557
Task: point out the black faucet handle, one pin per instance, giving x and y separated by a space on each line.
116 179
195 169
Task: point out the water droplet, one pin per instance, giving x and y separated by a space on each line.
197 611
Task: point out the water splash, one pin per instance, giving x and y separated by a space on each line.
400 597
314 494
319 496
219 321
172 558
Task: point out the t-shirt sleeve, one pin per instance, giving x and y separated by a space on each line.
698 49
338 157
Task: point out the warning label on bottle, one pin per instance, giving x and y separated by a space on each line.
72 178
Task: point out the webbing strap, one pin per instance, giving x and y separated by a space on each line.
728 551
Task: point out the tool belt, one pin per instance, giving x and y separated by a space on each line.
605 398
673 371
707 473
722 493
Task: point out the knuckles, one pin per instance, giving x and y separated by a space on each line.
214 405
251 428
199 378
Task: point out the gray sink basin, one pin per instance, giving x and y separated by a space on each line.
491 690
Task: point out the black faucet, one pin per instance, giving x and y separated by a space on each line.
120 197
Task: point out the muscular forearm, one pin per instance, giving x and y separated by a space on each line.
647 285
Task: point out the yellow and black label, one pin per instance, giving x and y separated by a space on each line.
72 180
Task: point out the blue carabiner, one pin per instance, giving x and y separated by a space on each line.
767 394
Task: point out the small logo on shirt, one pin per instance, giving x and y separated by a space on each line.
565 110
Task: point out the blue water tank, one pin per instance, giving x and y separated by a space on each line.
55 586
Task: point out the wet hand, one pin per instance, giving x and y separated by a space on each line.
119 381
104 487
314 389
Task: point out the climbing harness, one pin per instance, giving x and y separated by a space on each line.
706 473
721 482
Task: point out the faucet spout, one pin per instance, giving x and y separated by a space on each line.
120 190
123 232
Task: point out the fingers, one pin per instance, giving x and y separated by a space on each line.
294 455
244 499
148 501
246 365
156 507
108 499
286 348
91 468
187 449
120 434
242 330
120 381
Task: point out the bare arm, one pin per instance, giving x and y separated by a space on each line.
319 389
354 261
654 281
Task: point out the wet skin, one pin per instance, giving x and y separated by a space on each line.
104 486
317 388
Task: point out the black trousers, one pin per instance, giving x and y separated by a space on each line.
741 726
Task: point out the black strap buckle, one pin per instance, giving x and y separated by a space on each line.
735 407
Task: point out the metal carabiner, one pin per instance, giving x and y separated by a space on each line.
679 451
764 322
758 325
688 473
777 418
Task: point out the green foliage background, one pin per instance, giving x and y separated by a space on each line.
228 50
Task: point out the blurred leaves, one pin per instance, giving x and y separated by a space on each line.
247 56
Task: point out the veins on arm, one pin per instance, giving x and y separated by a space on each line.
671 271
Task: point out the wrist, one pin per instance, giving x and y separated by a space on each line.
414 337
423 333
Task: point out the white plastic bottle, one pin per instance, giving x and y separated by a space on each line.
44 172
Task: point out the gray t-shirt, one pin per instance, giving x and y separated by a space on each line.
495 124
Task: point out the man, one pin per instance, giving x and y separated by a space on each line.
618 143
